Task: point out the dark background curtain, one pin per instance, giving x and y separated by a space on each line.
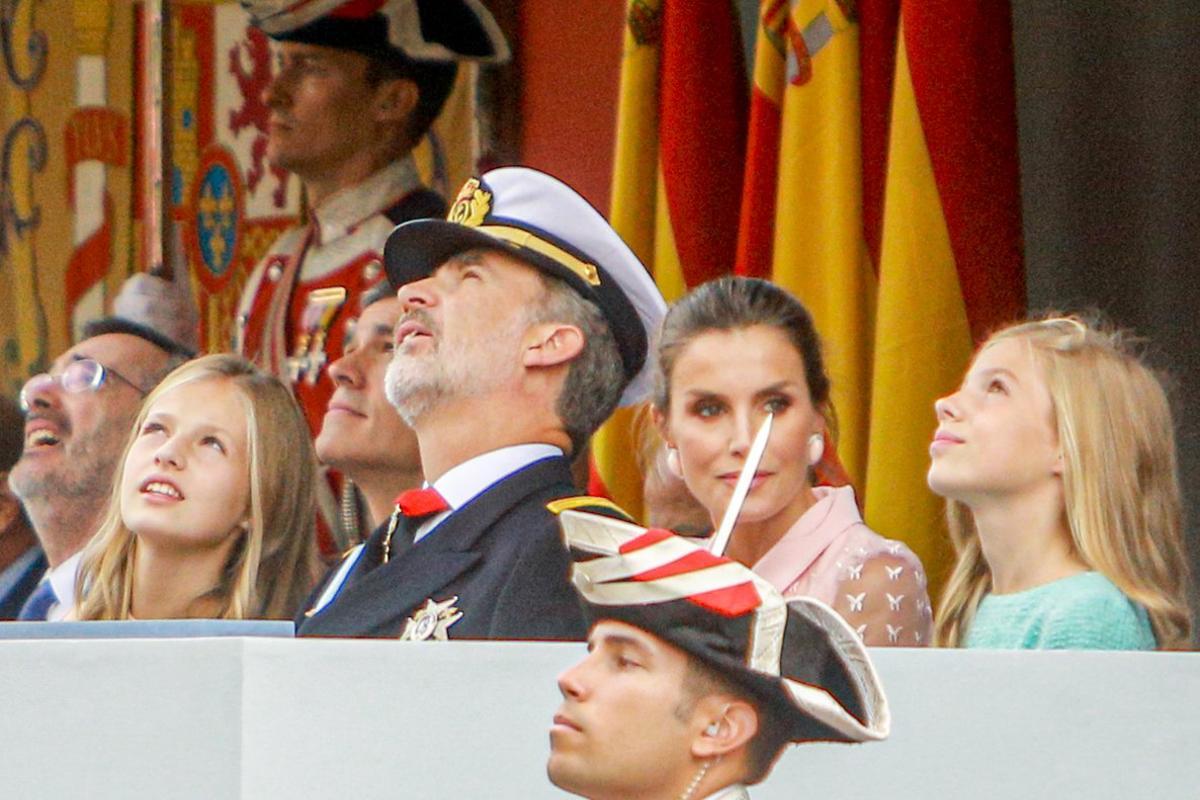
1108 102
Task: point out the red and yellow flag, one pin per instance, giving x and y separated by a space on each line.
681 131
880 187
802 218
950 265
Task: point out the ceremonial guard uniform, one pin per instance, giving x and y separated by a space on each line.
296 305
301 298
805 670
490 562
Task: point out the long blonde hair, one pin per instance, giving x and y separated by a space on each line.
272 568
1120 482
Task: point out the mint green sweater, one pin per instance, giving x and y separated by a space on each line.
1082 612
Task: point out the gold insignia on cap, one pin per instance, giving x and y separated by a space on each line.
431 621
522 238
471 206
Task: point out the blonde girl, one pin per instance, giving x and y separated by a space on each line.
1057 459
213 507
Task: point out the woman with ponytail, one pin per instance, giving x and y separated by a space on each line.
731 352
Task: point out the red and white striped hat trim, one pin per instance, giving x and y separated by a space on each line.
642 567
657 567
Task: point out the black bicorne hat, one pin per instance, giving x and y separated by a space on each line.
798 657
430 31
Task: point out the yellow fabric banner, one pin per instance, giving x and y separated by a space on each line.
922 341
819 251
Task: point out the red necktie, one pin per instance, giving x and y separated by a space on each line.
412 507
421 502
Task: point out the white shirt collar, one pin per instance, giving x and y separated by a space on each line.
735 792
346 209
62 580
461 484
458 487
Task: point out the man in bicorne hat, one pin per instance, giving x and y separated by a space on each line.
699 672
525 322
358 85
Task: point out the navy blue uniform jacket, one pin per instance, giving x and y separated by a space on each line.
501 554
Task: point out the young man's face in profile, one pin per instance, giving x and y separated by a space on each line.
625 726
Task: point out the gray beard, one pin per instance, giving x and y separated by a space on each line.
413 388
65 505
83 474
415 385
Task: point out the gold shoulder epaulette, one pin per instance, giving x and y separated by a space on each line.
585 502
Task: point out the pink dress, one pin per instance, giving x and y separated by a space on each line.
876 584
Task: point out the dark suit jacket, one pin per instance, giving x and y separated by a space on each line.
23 585
501 555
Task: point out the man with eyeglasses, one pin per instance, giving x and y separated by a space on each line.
77 417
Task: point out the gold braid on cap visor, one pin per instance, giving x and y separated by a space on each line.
523 238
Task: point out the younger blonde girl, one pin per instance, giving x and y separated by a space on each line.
1057 459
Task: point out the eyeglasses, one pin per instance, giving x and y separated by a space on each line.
82 375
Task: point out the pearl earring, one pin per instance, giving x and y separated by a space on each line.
674 466
816 448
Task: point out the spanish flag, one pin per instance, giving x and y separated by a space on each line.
950 265
681 133
802 221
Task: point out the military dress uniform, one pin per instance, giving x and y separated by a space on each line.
493 564
298 299
296 305
493 568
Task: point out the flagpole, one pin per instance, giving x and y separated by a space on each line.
156 127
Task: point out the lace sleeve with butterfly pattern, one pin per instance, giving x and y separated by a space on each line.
884 598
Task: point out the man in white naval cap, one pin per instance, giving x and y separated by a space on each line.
525 322
359 84
699 672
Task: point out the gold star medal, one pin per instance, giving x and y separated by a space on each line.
431 621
